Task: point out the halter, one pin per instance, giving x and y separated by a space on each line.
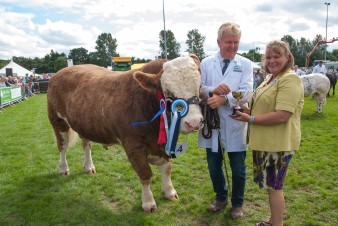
176 108
180 105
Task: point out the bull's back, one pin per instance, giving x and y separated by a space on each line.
99 104
315 83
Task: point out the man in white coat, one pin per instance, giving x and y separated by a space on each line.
320 68
238 75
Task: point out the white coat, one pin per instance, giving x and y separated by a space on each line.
238 76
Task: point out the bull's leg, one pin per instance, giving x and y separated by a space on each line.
138 159
167 186
333 88
62 140
148 201
88 162
320 100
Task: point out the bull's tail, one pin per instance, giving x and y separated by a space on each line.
72 137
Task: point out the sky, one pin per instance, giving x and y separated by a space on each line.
33 28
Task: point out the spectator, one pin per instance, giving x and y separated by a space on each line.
257 79
298 71
4 82
320 68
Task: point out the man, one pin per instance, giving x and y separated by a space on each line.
298 71
222 73
320 68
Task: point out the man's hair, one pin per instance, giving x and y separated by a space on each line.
230 27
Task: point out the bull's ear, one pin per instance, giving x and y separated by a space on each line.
197 61
149 82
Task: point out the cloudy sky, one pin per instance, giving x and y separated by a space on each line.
33 28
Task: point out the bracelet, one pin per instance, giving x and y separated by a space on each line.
252 119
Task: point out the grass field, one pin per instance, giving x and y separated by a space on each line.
32 192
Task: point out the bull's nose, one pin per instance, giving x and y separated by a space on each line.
194 125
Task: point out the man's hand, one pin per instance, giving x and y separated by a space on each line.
222 89
216 101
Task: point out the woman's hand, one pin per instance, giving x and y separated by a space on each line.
241 116
245 108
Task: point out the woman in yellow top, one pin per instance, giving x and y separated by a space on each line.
274 132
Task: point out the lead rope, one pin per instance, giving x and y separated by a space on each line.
210 119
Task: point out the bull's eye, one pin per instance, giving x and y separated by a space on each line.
180 106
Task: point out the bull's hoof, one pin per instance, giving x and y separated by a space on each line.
172 196
149 207
91 171
64 173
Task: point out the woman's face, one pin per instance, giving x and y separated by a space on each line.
275 62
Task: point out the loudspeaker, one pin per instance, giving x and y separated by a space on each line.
9 72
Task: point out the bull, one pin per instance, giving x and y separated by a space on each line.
318 86
101 106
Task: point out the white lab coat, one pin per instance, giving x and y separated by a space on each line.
238 76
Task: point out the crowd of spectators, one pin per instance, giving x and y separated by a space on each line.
29 84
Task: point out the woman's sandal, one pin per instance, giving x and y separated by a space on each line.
264 223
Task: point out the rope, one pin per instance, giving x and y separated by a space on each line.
210 119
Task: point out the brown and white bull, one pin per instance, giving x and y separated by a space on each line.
100 106
318 86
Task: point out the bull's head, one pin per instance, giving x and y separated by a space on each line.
179 80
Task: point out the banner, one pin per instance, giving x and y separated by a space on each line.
9 95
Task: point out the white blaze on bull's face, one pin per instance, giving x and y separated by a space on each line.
182 78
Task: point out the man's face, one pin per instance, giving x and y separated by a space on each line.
228 45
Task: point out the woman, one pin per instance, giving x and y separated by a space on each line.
274 118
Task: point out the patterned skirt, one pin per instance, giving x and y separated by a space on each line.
270 168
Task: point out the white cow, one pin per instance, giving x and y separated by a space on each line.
316 85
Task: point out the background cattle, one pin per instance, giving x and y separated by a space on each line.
333 80
100 105
318 86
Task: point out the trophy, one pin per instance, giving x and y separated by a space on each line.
237 95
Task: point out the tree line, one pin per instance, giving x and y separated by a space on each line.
106 46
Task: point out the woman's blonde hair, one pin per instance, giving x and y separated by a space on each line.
282 48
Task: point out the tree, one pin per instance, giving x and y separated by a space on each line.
106 49
94 58
3 63
173 47
59 63
49 61
24 62
195 43
79 56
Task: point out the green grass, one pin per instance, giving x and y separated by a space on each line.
33 193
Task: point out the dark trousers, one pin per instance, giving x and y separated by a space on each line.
238 171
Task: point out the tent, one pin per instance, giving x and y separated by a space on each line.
256 65
13 68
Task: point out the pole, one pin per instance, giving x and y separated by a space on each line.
165 35
253 52
327 16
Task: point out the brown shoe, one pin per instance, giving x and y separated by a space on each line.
236 212
217 206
